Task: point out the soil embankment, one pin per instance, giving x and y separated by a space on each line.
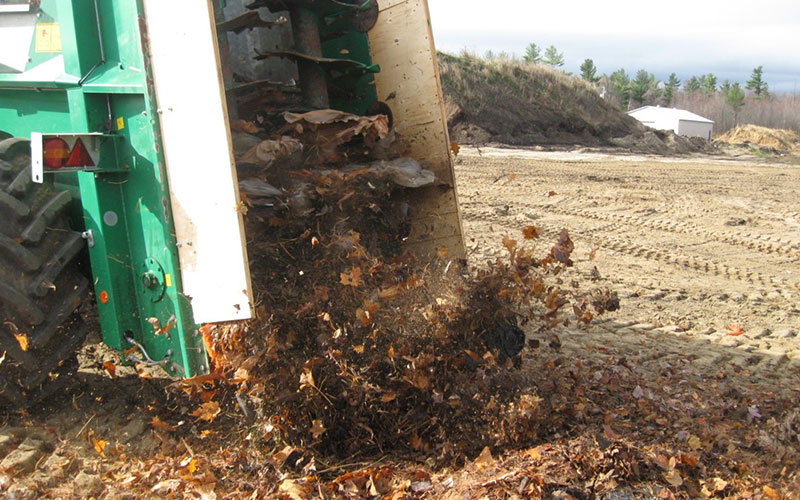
521 104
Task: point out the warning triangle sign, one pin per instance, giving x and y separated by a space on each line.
79 156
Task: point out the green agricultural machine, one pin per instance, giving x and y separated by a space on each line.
117 176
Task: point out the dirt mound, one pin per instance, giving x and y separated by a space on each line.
662 142
762 137
519 104
523 104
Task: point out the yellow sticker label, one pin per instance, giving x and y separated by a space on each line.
48 38
120 123
168 280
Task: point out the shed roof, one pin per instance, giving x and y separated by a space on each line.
651 113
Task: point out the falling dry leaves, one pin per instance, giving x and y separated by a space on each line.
110 368
485 459
307 379
317 428
673 477
353 278
244 126
366 313
359 355
294 490
100 446
563 248
159 424
530 232
329 341
22 340
713 486
207 411
735 330
360 351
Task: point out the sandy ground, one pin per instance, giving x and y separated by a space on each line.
692 246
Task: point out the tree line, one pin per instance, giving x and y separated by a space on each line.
533 54
643 88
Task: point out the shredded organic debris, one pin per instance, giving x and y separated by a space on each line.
361 354
358 348
370 374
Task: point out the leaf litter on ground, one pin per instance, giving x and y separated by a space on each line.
368 373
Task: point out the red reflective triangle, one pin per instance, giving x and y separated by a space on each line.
79 156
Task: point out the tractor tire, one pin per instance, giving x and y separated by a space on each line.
40 286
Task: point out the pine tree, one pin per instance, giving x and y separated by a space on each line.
533 54
757 84
643 83
692 85
709 83
735 99
725 87
489 55
589 71
621 86
670 88
553 57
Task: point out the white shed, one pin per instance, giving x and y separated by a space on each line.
680 121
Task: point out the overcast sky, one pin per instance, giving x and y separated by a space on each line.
689 37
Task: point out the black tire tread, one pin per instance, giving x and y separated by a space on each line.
13 208
71 245
40 289
40 222
20 184
18 254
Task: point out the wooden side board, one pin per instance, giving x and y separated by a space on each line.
197 148
402 44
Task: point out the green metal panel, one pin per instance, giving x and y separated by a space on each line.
352 91
48 13
80 40
102 82
107 87
24 110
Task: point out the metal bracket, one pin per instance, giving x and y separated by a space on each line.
89 237
102 148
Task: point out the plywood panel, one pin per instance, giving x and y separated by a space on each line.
402 44
200 166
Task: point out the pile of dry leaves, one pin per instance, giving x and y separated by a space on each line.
368 374
358 348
